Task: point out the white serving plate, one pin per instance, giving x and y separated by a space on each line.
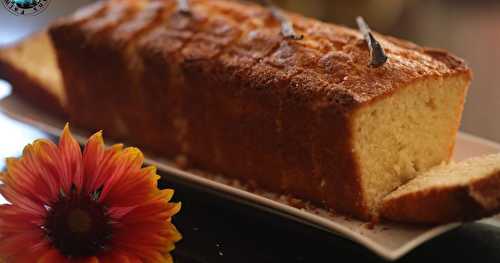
390 241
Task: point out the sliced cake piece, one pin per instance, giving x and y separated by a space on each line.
31 67
457 192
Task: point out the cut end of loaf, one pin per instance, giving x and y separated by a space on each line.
405 133
460 191
31 67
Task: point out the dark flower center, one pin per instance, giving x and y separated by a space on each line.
78 226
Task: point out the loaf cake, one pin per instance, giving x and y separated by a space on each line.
221 86
457 192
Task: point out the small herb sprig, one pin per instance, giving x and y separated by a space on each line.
287 29
376 50
183 7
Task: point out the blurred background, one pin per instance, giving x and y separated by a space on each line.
469 29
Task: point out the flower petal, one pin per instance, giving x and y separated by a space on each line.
52 256
21 201
133 188
92 259
113 256
147 232
25 243
71 157
35 174
14 219
30 255
98 168
128 161
93 154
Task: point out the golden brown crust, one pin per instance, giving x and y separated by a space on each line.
477 199
337 54
87 60
485 192
223 87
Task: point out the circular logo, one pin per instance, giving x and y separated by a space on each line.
26 7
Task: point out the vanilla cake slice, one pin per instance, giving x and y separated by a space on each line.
462 191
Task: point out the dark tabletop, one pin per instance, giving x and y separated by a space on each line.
217 229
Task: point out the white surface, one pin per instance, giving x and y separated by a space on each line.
390 241
13 137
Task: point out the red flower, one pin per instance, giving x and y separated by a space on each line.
95 206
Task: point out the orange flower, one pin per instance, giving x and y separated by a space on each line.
95 206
